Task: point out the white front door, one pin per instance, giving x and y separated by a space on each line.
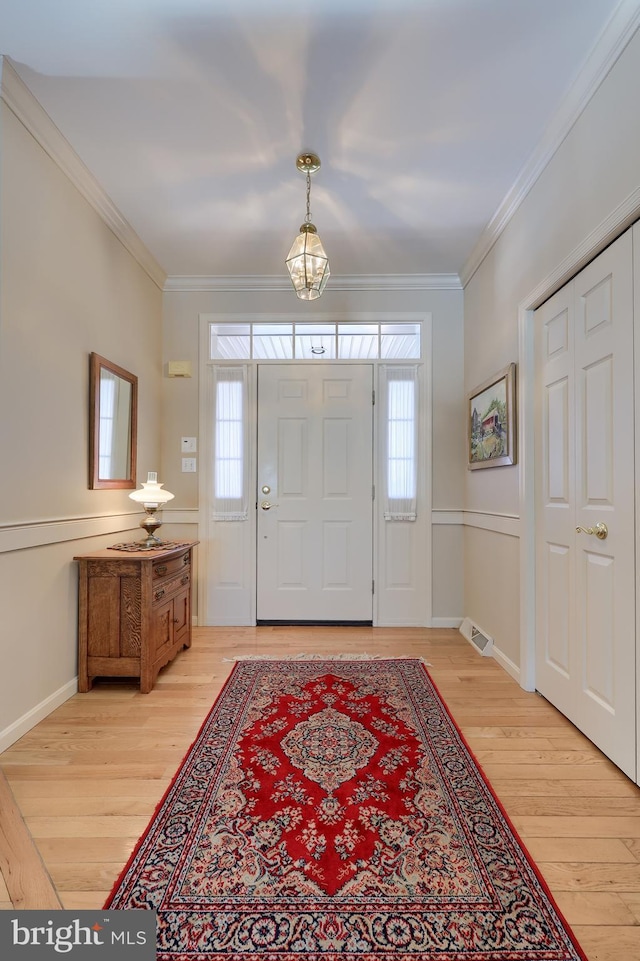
315 489
585 585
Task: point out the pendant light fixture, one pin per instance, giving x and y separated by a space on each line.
307 262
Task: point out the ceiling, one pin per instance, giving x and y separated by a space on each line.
425 114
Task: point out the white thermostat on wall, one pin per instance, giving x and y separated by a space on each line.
179 368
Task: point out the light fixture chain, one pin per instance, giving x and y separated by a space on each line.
308 217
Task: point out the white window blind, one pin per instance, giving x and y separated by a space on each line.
400 388
230 444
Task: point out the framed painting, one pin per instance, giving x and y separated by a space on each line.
491 421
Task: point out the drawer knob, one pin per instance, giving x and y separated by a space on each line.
160 570
159 594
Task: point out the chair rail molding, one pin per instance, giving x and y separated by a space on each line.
19 537
508 524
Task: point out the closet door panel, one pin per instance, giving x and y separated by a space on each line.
605 579
555 508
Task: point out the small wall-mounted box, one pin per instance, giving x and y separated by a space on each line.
179 368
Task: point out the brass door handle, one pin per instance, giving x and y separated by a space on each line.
600 530
267 505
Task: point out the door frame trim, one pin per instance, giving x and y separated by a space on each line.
424 615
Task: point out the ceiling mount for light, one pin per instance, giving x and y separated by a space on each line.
307 262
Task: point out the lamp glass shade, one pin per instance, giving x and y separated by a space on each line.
151 495
308 264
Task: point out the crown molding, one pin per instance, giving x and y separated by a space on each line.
247 282
37 121
612 41
625 214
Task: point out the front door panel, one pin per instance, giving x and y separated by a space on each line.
315 477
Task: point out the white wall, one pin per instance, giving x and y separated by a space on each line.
180 342
69 287
594 171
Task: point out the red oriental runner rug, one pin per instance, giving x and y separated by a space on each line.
331 809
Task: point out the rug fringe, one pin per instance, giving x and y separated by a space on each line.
327 657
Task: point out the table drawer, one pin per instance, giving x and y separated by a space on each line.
170 586
173 565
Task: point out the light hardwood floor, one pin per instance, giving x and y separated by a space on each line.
87 779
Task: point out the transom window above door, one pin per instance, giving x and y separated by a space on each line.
315 341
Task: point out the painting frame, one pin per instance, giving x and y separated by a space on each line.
491 422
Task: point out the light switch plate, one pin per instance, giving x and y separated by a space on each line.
189 445
188 465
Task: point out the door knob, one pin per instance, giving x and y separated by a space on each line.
600 530
266 505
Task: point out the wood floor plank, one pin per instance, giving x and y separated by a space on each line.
86 787
78 827
632 902
594 908
602 771
585 877
569 806
494 755
86 849
521 787
83 900
604 850
609 943
578 827
633 844
43 807
80 876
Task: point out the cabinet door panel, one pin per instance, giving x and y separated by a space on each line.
181 616
104 616
162 629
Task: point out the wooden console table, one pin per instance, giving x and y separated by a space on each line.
134 612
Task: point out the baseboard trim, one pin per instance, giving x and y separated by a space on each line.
506 664
446 622
29 720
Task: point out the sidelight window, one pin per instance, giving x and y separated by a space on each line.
230 444
400 389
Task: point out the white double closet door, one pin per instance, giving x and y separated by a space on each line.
585 583
315 491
